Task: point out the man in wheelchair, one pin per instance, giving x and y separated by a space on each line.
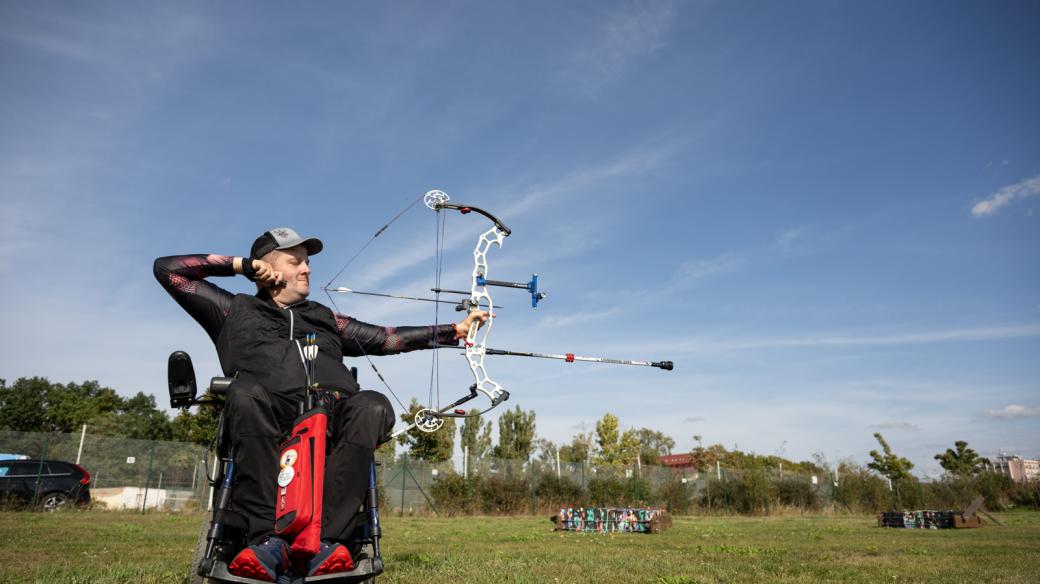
260 340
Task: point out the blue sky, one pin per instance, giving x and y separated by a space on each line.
825 213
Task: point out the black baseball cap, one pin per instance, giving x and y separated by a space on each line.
283 238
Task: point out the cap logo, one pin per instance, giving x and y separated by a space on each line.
283 233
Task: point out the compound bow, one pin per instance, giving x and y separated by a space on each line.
430 419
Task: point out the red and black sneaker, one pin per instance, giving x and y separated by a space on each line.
265 561
332 558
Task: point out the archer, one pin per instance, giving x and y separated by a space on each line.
258 341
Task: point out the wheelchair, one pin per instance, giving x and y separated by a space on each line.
224 531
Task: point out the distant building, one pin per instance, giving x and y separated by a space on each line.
678 461
1016 468
123 498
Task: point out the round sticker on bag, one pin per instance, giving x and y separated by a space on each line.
285 476
288 458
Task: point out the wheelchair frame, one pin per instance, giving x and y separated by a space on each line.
223 533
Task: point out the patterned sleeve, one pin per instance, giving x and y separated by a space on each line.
184 278
388 340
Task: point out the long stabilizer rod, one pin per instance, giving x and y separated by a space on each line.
571 357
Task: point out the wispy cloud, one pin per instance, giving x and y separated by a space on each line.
789 243
693 419
163 38
579 317
896 425
632 31
1012 412
582 180
912 338
694 270
573 184
1007 195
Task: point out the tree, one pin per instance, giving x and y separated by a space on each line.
515 434
199 427
653 445
34 404
22 404
475 435
615 447
888 464
71 405
705 458
431 446
546 450
578 450
962 462
140 418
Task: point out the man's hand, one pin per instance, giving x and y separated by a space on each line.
462 328
263 273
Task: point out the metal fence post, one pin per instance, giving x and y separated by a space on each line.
148 477
404 461
530 464
39 469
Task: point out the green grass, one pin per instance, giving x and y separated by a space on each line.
97 546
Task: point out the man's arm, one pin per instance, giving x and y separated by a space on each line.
385 340
184 278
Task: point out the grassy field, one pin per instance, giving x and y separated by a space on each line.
96 546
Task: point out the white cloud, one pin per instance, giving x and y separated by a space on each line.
1005 196
1013 412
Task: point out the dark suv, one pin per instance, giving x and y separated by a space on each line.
55 483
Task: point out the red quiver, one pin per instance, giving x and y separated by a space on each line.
301 480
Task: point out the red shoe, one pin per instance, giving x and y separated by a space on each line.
332 558
262 562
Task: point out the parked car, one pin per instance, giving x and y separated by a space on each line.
54 483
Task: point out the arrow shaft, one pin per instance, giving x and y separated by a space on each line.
351 291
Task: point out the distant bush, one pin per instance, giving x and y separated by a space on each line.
606 492
753 491
504 495
454 495
861 491
675 496
554 492
798 493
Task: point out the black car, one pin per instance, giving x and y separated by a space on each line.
54 483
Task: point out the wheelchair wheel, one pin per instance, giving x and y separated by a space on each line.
200 550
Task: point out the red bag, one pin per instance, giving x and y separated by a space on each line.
301 480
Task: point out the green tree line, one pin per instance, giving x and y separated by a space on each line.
35 404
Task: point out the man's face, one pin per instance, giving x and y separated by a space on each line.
295 268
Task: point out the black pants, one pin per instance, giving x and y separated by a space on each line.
256 421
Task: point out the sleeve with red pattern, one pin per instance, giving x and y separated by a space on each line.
184 278
387 340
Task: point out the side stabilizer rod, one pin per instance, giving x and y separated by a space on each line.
571 358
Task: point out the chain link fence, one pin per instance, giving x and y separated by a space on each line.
124 473
151 474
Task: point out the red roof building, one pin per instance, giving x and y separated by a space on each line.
678 461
